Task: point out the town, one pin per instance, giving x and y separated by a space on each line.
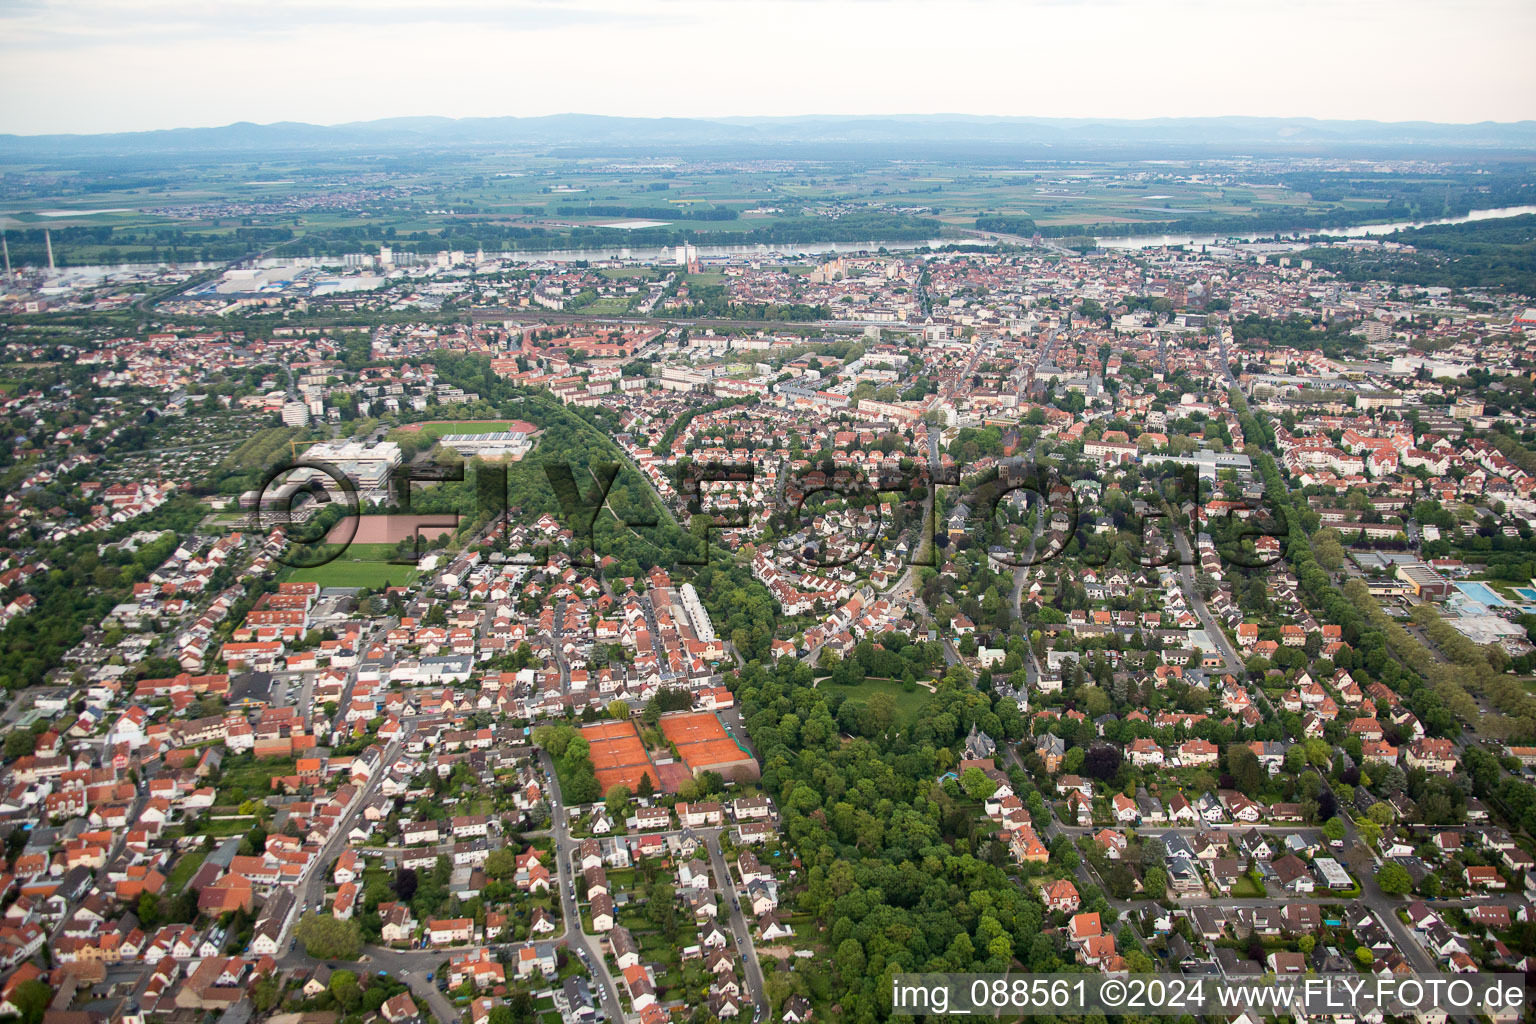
486 637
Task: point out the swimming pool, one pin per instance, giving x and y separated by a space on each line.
1482 593
1526 593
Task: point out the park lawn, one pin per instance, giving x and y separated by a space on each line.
908 705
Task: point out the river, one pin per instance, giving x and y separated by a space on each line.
1358 231
666 254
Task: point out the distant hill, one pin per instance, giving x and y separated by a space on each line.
946 131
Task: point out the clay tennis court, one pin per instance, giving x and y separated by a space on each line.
703 745
618 756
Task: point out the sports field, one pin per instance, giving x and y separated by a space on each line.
360 565
702 743
387 530
618 756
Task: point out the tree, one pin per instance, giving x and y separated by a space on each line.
1155 883
31 999
880 713
500 863
850 958
618 800
1243 765
149 909
1394 880
646 788
618 709
266 993
1333 828
344 989
1364 956
976 784
328 938
19 743
1102 761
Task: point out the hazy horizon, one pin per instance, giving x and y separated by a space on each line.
99 66
727 119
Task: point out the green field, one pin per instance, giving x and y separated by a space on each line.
908 705
360 565
541 200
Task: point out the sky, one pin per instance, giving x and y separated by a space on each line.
86 66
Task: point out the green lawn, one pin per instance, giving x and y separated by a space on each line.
227 827
360 565
1246 888
185 868
251 780
908 705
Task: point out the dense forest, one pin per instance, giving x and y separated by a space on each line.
1332 339
1493 254
899 870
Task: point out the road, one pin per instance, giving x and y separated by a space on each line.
1234 663
310 891
1383 906
566 849
750 964
413 965
410 966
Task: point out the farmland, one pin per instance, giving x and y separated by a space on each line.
537 200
